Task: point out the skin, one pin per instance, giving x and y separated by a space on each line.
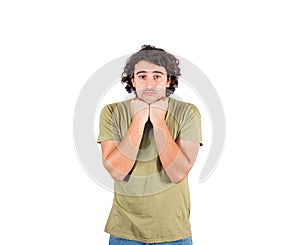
150 81
177 158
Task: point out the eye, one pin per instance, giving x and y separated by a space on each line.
157 76
142 76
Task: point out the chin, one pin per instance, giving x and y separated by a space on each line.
148 100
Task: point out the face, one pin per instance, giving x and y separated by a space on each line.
150 81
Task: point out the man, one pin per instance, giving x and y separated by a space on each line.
149 144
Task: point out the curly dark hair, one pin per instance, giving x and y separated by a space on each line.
158 57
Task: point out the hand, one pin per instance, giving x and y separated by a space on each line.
158 110
139 110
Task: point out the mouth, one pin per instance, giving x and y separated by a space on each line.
149 92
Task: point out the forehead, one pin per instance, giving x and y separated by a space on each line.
148 67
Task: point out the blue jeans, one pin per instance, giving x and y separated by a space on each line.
121 241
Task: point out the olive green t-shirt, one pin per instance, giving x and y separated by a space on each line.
147 206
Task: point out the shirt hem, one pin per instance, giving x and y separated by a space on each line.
154 240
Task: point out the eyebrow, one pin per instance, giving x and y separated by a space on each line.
150 72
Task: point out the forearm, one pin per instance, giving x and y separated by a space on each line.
173 160
122 159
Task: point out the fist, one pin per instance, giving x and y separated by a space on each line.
158 110
139 110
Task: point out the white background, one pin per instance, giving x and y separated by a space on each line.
248 49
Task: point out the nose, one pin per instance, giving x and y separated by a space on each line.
150 83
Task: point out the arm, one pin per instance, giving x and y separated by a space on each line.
178 157
119 157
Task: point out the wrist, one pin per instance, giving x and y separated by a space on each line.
159 124
139 120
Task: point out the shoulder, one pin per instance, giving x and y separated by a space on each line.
182 106
117 106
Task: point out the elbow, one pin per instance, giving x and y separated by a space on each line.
181 175
117 177
178 174
115 174
178 179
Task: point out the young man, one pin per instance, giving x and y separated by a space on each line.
149 144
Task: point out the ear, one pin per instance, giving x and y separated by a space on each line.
132 81
169 82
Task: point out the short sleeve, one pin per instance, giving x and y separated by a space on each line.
190 127
108 128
